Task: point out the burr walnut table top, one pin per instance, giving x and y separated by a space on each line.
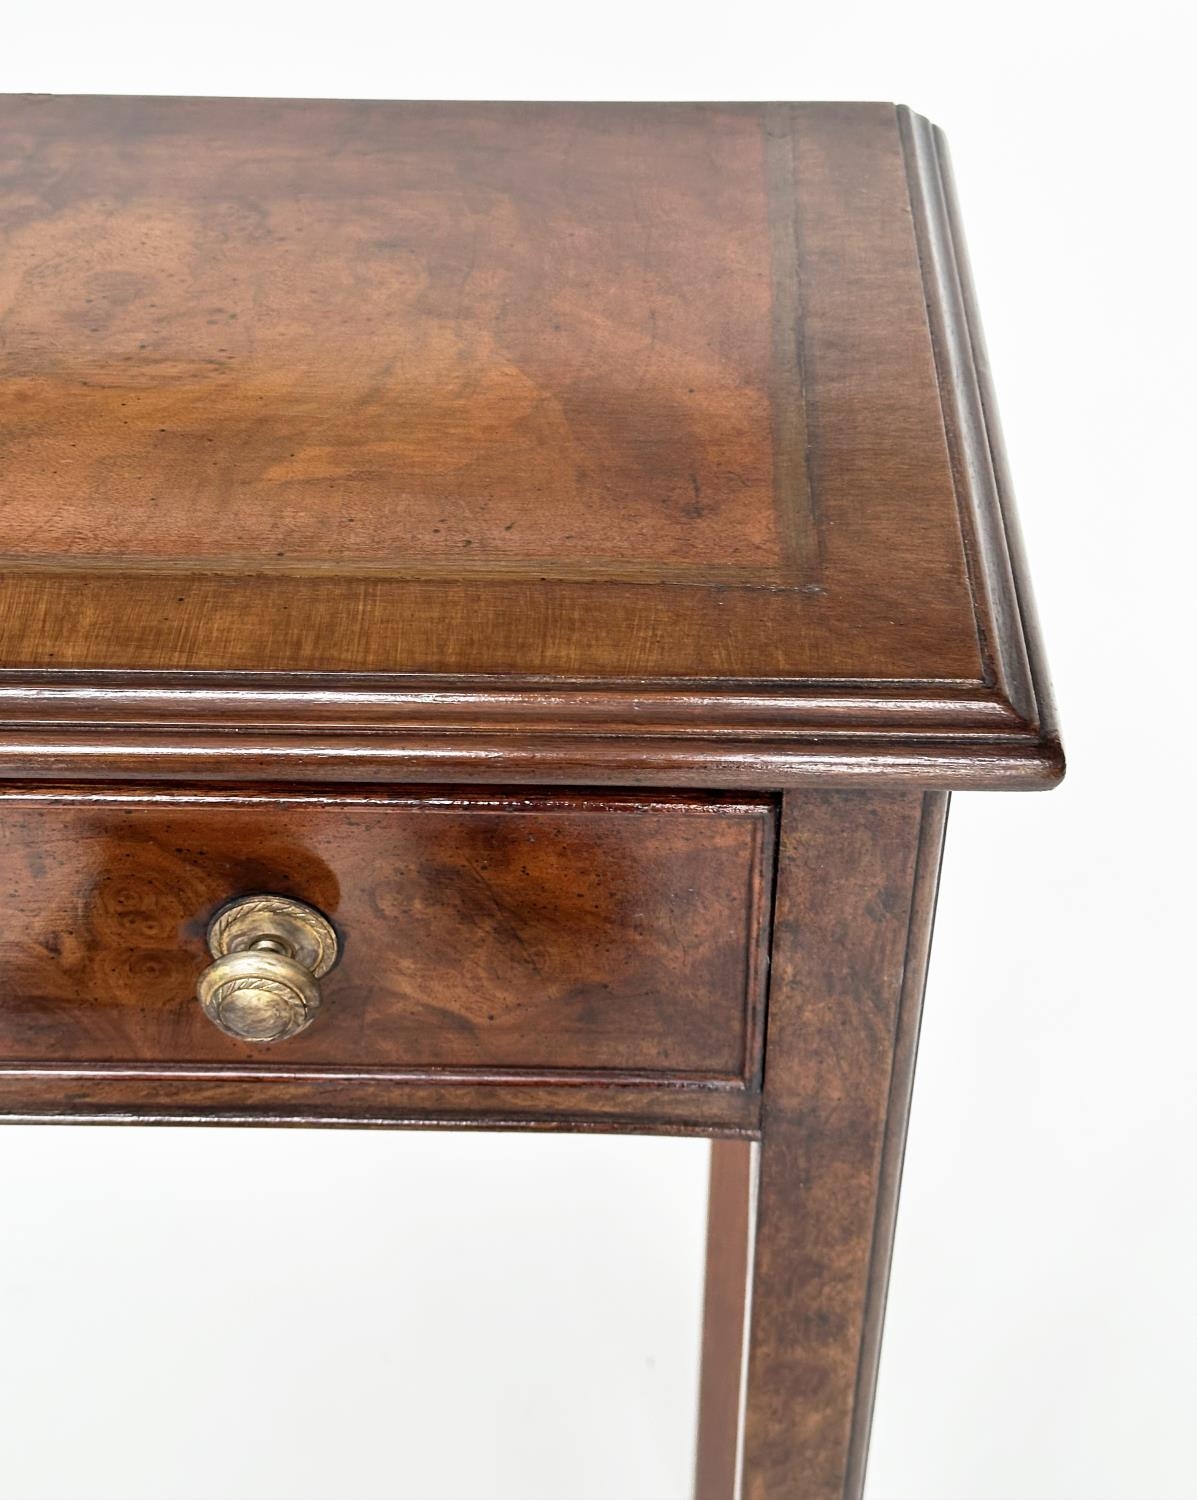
644 442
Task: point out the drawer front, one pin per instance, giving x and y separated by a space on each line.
489 934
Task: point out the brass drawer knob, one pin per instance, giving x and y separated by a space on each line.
270 953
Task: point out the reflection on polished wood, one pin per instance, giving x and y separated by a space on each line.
566 547
613 934
639 444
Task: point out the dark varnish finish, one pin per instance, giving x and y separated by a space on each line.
729 1245
515 936
568 545
806 1219
855 900
637 444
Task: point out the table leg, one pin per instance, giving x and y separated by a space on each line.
855 898
723 1325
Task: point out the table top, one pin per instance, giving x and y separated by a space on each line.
461 429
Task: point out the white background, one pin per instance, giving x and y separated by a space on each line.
236 1316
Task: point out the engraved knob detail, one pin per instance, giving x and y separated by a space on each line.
270 953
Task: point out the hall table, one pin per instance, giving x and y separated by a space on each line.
496 598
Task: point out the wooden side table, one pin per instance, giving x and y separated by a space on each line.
496 599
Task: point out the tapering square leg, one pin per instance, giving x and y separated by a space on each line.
801 1227
723 1327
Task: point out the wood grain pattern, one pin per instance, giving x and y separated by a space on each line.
764 762
387 327
1006 611
857 878
484 937
547 409
893 1147
356 457
430 1101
